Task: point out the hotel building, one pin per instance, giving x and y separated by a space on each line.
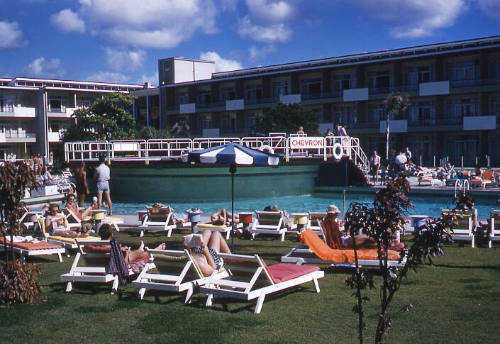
454 90
35 112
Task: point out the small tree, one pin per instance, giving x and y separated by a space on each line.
18 282
380 222
395 105
109 118
287 118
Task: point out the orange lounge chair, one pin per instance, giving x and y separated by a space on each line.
33 248
316 251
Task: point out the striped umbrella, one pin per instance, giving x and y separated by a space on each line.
232 154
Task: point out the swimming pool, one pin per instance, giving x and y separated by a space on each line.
428 205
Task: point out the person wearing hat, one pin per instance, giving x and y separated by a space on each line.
341 240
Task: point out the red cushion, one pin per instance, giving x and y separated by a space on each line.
285 272
97 249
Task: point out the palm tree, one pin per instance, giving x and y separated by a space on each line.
395 104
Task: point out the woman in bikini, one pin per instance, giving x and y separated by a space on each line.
206 252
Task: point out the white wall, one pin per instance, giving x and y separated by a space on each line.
183 71
395 126
434 88
480 123
203 70
355 94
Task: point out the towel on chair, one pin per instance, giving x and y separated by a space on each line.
117 265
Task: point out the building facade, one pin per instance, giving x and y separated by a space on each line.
454 90
35 112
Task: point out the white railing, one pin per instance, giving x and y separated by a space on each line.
172 149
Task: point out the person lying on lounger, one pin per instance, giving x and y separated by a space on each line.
223 217
57 224
135 259
83 214
205 249
339 240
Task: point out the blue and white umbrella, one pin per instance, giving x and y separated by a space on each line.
232 154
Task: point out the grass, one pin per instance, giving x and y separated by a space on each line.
455 301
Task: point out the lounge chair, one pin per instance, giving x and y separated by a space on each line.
250 278
429 179
67 243
26 219
494 234
315 222
269 222
316 251
73 220
157 220
90 265
176 272
486 179
462 229
28 247
223 229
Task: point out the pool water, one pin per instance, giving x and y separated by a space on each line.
422 205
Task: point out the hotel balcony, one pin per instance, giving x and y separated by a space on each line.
18 112
55 136
62 112
17 136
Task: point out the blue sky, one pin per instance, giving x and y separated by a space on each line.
121 40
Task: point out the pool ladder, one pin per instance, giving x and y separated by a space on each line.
462 186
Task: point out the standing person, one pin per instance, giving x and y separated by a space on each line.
301 131
408 154
375 164
400 162
82 188
102 175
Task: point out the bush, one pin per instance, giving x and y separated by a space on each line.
18 282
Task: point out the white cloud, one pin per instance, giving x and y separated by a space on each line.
45 68
11 36
221 64
260 53
490 7
148 23
125 61
109 77
67 21
270 12
414 18
152 79
268 21
272 33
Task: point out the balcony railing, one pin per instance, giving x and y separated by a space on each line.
422 122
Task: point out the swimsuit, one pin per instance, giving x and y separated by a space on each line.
215 257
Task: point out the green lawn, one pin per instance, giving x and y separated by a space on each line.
456 301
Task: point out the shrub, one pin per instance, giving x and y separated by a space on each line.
18 282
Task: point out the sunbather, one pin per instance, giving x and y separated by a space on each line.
206 254
71 205
340 240
134 258
465 203
223 217
57 224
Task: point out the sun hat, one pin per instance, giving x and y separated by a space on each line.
332 209
94 199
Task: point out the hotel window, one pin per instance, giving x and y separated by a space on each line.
377 112
281 88
206 122
379 80
495 106
228 123
7 103
463 71
420 74
458 108
497 68
84 102
250 121
227 93
344 115
182 98
57 104
203 98
311 87
343 82
422 113
253 92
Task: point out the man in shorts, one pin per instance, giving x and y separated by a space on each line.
102 176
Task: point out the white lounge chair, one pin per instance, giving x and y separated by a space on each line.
29 247
315 219
90 266
250 278
67 243
269 222
157 220
462 229
177 272
494 234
